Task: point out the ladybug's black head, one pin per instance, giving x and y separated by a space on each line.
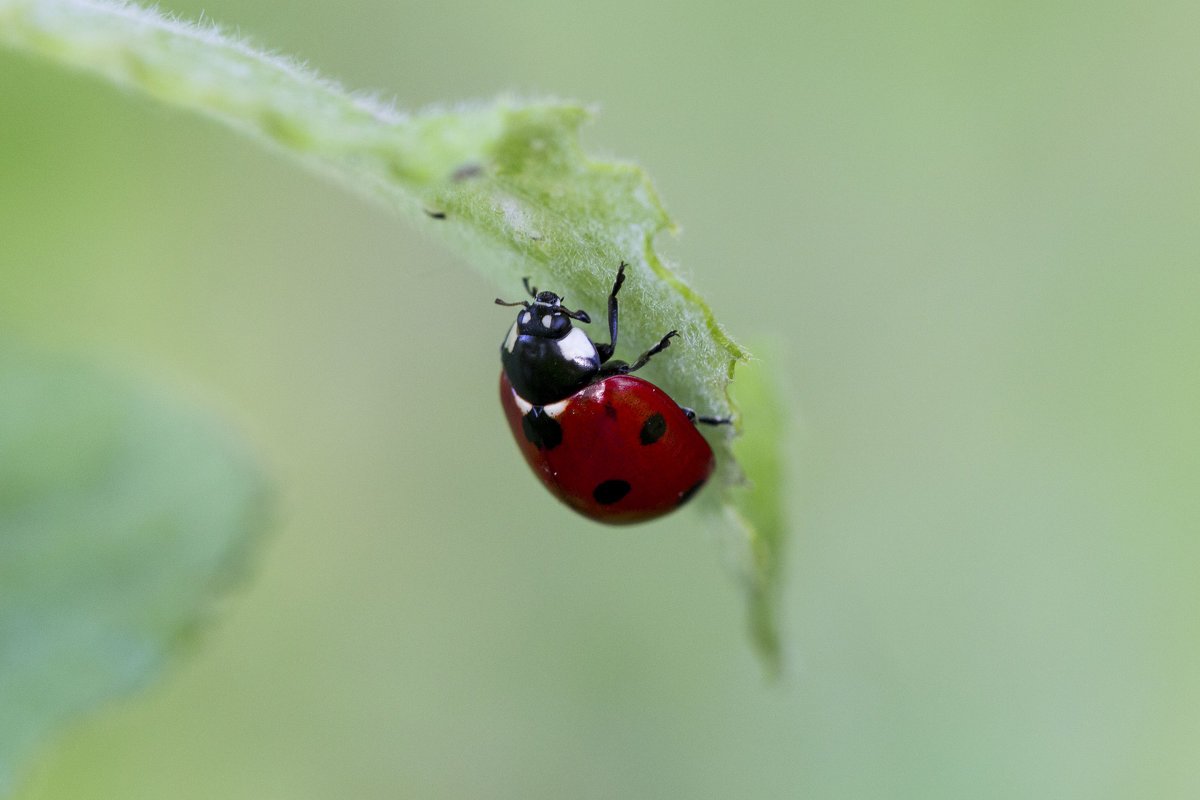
546 316
545 358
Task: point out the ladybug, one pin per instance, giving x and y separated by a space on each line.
612 446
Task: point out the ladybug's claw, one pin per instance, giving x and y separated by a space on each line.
658 348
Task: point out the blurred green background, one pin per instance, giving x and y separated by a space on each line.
969 230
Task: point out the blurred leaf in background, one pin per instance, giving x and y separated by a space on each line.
121 518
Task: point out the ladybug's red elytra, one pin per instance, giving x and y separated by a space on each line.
610 445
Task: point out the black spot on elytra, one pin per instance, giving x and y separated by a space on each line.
610 492
541 429
683 498
653 429
610 411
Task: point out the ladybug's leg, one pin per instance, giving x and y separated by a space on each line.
658 348
706 420
606 350
621 368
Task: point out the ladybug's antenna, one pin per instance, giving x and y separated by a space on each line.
533 292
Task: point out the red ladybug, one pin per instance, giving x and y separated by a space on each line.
612 446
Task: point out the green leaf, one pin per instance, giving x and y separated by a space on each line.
121 518
757 507
507 183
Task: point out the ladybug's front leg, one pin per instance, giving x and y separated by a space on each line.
606 350
621 368
658 348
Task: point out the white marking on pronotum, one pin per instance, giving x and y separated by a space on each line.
577 346
525 317
554 409
546 320
523 405
511 342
